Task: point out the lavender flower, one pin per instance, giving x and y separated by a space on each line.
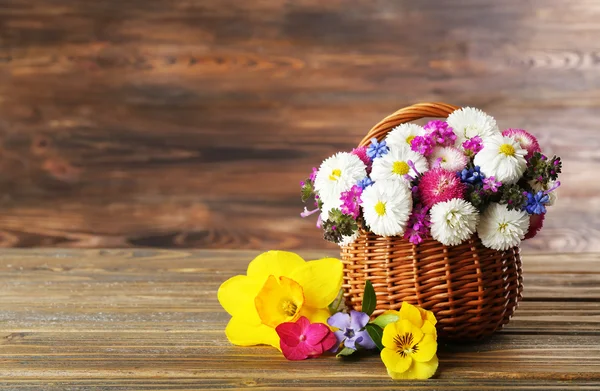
352 329
377 149
365 182
536 203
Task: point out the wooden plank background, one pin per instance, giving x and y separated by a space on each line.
189 123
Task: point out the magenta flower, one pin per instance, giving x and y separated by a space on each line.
301 340
418 225
351 201
439 185
361 153
474 144
313 175
491 184
352 329
440 133
422 144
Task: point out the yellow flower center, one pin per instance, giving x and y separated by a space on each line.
409 139
502 227
404 344
335 174
280 300
380 208
400 168
507 149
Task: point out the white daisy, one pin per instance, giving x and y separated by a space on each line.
450 158
386 207
453 221
394 165
502 157
469 122
403 134
539 186
338 173
502 229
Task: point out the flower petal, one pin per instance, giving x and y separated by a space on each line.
295 353
394 361
316 333
315 315
366 341
236 296
429 328
279 300
289 333
389 333
426 349
419 370
239 332
321 281
358 320
277 263
329 342
339 320
403 327
411 313
427 315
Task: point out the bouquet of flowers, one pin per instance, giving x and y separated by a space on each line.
447 180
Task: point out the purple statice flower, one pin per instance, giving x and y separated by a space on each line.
313 175
418 225
474 145
471 175
422 144
351 201
352 329
536 203
491 184
377 149
365 182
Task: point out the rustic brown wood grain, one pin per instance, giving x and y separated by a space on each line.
189 123
149 320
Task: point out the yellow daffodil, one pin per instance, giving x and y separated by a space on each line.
278 287
410 344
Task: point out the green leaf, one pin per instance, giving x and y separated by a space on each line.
376 333
384 320
338 303
369 299
345 352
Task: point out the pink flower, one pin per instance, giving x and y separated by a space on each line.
313 175
526 139
351 201
361 153
440 133
301 340
439 185
491 184
474 144
418 225
422 144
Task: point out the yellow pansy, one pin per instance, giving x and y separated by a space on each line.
278 287
410 344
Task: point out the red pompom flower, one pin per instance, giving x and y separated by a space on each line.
439 185
301 340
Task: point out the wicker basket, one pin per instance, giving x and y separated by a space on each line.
473 290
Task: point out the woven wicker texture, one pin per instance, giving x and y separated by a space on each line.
472 290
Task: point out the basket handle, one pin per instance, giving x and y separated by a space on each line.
407 114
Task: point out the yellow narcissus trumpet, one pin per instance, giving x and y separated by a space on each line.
278 287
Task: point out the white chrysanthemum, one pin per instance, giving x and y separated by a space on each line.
469 122
347 240
386 207
394 165
453 221
538 186
500 228
502 157
450 158
338 173
403 134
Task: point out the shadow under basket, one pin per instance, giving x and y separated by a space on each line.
472 290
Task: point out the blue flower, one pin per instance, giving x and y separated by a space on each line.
536 203
365 182
352 329
377 149
471 175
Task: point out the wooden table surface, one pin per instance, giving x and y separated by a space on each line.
148 319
